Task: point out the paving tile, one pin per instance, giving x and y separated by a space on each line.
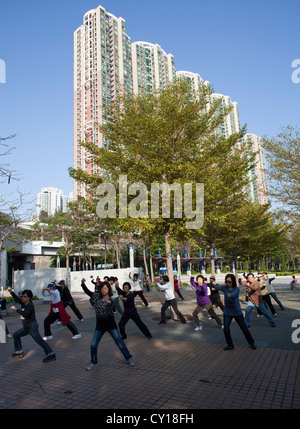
178 370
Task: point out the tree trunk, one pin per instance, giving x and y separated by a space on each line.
235 262
151 269
118 256
67 252
145 262
169 258
212 259
170 269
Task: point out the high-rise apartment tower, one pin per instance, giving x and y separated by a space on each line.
102 71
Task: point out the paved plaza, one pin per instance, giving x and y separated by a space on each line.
180 370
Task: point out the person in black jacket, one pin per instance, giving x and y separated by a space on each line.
214 293
105 322
67 299
30 326
130 312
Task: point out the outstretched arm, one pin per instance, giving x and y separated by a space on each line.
85 289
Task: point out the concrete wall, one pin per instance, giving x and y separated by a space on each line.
36 280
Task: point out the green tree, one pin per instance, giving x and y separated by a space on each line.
169 137
283 171
250 234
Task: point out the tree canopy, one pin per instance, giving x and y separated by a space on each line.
170 137
283 170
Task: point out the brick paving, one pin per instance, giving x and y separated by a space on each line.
179 370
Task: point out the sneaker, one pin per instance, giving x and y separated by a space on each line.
130 362
253 346
275 314
150 338
17 355
58 322
91 366
8 336
162 323
81 320
76 337
49 358
49 337
198 328
124 339
148 306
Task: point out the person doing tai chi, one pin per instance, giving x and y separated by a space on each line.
105 322
167 287
57 312
203 301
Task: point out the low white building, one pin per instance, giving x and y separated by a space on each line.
33 255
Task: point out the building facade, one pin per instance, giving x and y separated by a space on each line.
231 123
257 188
107 65
152 67
102 71
194 79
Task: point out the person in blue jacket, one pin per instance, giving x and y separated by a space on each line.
232 310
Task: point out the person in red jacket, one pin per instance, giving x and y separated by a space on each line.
176 288
57 312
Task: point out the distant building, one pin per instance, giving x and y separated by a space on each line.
194 78
52 200
257 188
231 122
152 67
102 72
107 65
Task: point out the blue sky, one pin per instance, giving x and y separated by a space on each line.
245 49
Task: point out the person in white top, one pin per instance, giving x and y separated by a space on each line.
170 300
116 304
137 289
271 290
57 312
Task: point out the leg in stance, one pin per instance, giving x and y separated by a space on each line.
195 315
